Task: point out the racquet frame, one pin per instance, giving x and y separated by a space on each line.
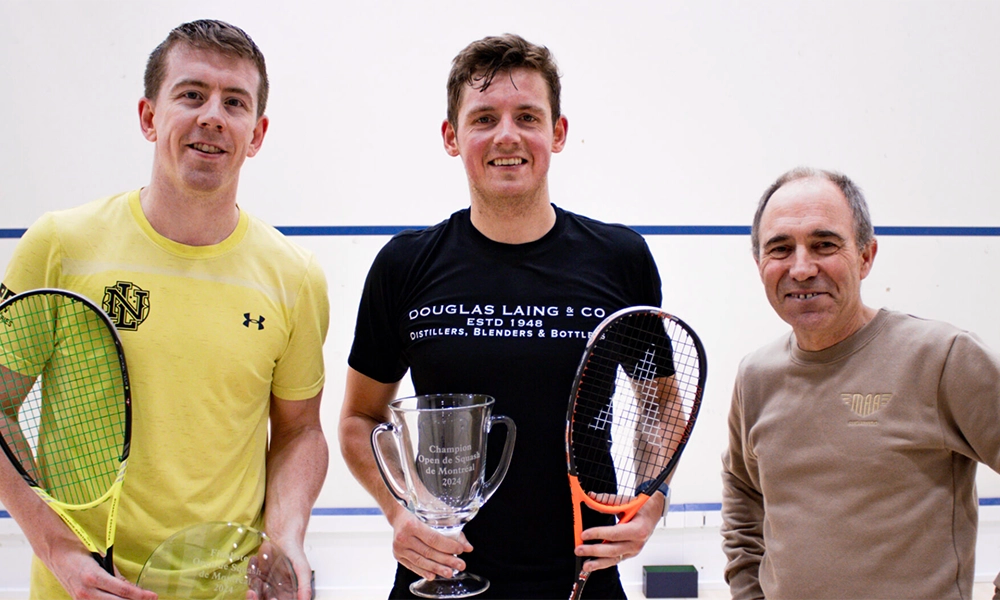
63 509
625 511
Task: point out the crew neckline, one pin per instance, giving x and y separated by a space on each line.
851 344
185 250
481 238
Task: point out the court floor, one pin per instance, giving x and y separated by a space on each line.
980 591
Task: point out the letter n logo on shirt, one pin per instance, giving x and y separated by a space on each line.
127 304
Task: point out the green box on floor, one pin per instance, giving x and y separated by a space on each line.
670 581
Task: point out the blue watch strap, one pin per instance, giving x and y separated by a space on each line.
644 488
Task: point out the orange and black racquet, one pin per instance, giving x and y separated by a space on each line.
634 403
65 407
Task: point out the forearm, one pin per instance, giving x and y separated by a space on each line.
44 530
366 405
15 388
660 403
355 446
296 470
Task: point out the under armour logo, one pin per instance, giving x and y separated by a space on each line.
247 320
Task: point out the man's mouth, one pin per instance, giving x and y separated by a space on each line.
808 296
507 162
206 148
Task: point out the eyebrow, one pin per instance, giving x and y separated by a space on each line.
816 233
777 239
826 233
490 108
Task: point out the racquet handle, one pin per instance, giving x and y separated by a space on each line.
581 579
106 561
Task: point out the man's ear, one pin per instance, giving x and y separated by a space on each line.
450 138
559 133
146 110
258 135
868 257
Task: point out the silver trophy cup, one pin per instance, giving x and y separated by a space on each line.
439 468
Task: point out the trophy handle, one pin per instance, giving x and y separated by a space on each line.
508 451
383 467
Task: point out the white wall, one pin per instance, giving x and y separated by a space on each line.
680 113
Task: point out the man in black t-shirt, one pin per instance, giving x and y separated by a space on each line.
499 299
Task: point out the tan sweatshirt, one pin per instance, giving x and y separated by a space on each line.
851 471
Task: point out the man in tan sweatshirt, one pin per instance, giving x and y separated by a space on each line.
853 440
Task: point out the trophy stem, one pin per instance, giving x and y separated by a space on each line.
452 531
459 585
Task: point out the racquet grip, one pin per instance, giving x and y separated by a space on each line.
106 561
581 579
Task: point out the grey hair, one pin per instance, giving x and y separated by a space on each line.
864 233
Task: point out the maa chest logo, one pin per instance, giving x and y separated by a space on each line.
127 304
865 406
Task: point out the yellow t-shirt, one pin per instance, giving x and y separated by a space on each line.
209 333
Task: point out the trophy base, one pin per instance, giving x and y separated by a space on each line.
461 585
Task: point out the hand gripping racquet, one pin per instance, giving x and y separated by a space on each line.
634 403
65 407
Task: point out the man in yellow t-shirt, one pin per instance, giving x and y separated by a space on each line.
222 319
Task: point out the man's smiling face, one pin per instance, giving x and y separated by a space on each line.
506 136
204 120
810 262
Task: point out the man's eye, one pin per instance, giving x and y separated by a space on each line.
192 95
780 251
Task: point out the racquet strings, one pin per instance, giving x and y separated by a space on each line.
630 418
68 433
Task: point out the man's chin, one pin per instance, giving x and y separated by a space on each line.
204 182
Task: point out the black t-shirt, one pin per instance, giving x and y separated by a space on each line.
466 314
